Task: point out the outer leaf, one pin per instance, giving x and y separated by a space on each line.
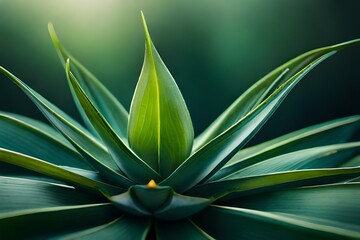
54 171
160 127
206 161
20 136
112 110
124 228
233 188
54 222
180 230
254 95
91 149
127 161
238 223
331 156
338 203
20 194
336 131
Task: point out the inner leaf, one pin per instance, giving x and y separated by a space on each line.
160 130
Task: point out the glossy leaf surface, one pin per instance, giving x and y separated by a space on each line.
160 127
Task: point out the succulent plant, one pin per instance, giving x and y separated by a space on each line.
143 175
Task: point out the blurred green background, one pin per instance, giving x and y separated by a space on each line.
214 49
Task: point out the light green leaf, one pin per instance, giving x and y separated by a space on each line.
160 128
338 203
124 157
336 131
56 172
254 95
234 188
21 136
112 110
88 146
331 156
122 228
54 222
205 162
180 230
238 223
21 194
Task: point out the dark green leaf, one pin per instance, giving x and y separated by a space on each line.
54 171
245 224
54 222
254 95
180 230
210 158
338 203
232 188
127 161
331 156
336 131
160 127
91 149
21 136
112 110
20 194
123 228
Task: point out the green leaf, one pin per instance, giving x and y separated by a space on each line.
160 128
124 228
336 131
21 194
338 203
180 230
233 188
54 222
84 142
238 223
127 161
161 202
21 136
255 94
112 110
205 162
331 156
54 171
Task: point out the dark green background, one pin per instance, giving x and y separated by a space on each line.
214 49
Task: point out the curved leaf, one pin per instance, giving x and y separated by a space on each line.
331 156
254 95
87 145
21 136
338 203
238 223
124 157
180 230
20 194
336 131
112 110
160 128
124 228
233 188
205 162
54 222
54 171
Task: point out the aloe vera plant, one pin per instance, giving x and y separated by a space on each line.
143 175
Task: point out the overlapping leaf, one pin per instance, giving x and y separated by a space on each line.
124 157
210 158
112 110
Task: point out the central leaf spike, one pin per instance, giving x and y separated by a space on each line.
160 130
